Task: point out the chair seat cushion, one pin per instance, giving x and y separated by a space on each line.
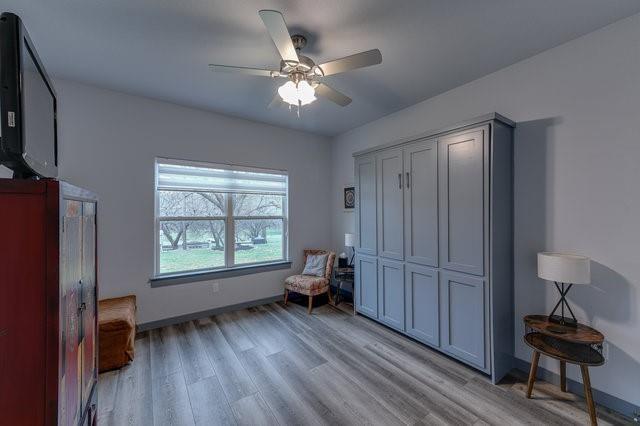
306 284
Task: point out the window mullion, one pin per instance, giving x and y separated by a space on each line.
230 233
189 218
258 217
285 227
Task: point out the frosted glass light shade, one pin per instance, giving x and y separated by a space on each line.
349 240
291 94
564 268
306 93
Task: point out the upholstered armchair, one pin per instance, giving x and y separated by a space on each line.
308 284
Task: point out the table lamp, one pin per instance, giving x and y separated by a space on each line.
349 241
562 269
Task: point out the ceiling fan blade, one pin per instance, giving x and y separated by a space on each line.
244 70
277 28
359 60
332 94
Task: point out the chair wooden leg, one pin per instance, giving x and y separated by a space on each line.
286 296
330 297
532 372
563 376
310 304
591 406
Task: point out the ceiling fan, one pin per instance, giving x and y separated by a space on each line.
303 75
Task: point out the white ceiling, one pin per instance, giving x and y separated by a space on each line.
161 48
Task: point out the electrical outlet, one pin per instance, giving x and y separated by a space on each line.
215 286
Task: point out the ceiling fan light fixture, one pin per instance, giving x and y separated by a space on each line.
303 75
300 94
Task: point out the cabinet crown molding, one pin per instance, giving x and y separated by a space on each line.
481 119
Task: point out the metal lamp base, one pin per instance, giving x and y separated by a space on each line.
567 322
562 303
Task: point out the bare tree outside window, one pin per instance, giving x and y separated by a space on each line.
251 205
191 204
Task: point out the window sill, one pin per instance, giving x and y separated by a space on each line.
191 277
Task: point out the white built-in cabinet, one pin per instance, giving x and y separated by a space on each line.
434 229
390 203
366 224
421 202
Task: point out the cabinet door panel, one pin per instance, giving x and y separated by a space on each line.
366 211
89 301
23 308
421 202
391 293
366 285
463 192
422 319
463 317
71 273
390 204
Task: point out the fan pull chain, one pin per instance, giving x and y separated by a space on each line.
299 102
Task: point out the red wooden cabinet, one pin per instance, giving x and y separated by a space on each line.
48 303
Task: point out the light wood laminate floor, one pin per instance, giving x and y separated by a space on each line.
277 365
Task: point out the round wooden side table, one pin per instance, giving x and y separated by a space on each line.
581 345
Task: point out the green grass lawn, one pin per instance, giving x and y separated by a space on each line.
184 260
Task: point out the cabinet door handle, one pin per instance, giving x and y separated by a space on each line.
400 180
408 183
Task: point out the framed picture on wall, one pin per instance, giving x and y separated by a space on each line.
349 198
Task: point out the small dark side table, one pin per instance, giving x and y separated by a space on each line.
344 275
581 345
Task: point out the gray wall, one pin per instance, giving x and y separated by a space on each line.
577 175
576 182
108 144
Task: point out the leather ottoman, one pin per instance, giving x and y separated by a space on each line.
117 332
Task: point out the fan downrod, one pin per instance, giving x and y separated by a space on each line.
299 41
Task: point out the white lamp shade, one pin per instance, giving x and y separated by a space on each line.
349 240
564 268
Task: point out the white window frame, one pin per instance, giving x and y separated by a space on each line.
229 220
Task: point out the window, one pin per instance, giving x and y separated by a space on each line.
212 217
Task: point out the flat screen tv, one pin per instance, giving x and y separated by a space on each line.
28 138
